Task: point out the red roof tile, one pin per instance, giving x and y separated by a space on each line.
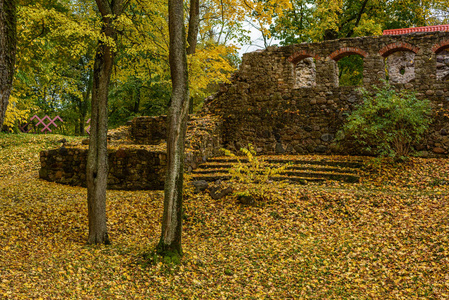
416 29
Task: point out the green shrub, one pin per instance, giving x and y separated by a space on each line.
388 123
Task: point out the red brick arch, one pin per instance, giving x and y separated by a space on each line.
443 45
300 55
398 46
346 51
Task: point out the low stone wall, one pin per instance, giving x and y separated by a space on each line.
129 169
149 130
203 140
203 136
134 167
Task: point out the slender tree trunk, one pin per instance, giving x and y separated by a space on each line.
194 22
192 35
170 242
77 128
97 158
81 120
84 104
8 40
138 96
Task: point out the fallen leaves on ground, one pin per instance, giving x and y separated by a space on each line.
384 238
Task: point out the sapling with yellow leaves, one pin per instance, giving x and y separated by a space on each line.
255 175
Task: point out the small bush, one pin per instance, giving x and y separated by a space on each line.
254 175
388 123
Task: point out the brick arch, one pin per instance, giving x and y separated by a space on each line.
346 51
443 45
300 55
398 46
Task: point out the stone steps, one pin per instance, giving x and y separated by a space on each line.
294 160
214 167
299 170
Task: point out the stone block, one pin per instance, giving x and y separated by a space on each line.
438 150
327 137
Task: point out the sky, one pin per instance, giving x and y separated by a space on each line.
256 41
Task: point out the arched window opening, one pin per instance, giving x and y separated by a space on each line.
350 70
443 65
400 67
305 73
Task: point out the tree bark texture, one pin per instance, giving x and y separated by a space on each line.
170 242
97 158
8 40
194 22
84 104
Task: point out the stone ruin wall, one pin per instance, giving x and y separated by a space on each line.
137 166
129 168
203 136
443 66
287 99
282 100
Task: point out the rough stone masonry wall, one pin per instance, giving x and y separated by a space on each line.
278 108
203 137
149 130
129 168
139 166
264 104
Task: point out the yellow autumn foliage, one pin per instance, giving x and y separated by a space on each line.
14 114
383 238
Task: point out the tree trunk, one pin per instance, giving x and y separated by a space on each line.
170 242
8 40
138 97
81 120
84 104
194 22
77 128
97 158
192 35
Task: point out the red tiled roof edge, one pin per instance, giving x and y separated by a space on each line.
416 29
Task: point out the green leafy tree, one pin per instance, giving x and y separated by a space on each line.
317 20
388 123
55 49
350 70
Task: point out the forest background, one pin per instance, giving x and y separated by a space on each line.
56 44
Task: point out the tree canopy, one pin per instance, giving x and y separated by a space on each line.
56 44
308 20
56 47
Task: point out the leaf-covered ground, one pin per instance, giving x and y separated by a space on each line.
384 238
